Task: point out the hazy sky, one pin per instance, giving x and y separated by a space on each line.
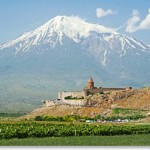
127 16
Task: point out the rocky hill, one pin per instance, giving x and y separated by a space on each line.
100 104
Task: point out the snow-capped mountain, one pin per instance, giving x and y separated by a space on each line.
71 27
65 51
98 40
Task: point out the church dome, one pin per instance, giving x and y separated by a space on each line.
90 80
90 84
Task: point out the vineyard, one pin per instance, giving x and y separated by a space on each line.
34 129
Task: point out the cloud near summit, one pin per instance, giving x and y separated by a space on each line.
101 12
135 23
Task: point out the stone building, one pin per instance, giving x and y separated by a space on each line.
90 84
81 97
71 95
89 90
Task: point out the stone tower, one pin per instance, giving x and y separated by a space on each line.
90 84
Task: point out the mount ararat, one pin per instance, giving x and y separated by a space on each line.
62 54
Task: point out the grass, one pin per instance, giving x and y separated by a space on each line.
11 114
129 112
123 140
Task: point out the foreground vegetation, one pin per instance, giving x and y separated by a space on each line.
117 113
34 129
121 140
70 118
4 115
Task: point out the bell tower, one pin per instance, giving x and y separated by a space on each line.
90 84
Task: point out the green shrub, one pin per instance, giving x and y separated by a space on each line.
70 97
38 118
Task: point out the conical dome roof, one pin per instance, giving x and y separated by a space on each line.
90 80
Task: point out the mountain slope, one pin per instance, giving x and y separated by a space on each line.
63 53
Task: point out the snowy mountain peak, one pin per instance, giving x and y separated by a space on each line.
72 27
78 30
73 24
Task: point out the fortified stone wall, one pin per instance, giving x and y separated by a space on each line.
97 90
49 103
78 94
113 89
75 102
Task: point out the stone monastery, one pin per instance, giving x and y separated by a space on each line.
80 97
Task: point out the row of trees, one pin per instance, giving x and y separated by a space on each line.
68 118
71 118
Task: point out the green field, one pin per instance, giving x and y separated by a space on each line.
121 140
45 133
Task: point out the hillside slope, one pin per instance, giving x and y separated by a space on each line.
137 99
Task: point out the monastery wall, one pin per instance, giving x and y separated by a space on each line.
113 89
78 94
49 103
75 102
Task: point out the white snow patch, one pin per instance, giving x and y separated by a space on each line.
108 38
122 43
105 58
129 43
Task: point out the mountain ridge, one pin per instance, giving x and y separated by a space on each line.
61 23
72 27
46 58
